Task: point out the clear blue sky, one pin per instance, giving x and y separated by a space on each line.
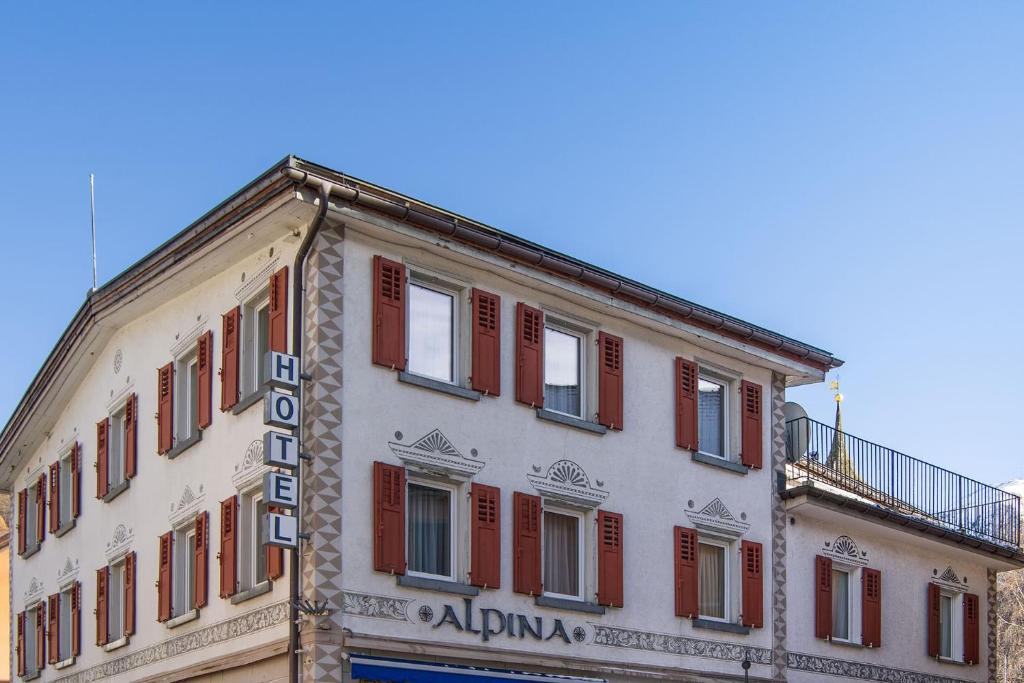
850 174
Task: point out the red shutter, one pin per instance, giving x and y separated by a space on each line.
388 518
275 554
526 575
76 618
55 496
53 627
201 559
22 531
279 311
163 584
227 556
687 604
609 384
609 559
21 643
102 452
934 608
971 620
131 438
165 409
486 372
485 536
686 404
41 508
388 313
130 565
529 355
41 636
204 379
76 480
102 575
822 597
750 425
229 358
871 607
753 584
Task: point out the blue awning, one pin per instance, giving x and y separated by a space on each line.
370 668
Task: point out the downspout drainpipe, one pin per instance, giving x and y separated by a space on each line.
298 292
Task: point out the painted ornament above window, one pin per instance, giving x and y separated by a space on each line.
435 454
566 481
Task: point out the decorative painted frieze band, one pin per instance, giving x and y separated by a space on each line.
828 666
242 625
566 481
376 606
435 453
615 636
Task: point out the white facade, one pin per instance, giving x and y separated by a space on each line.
357 413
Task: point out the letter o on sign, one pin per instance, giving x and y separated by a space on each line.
280 410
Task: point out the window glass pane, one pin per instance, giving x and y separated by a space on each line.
710 412
65 490
431 314
64 632
30 640
429 530
840 605
561 371
260 559
262 345
561 554
193 396
946 626
30 516
115 450
711 581
115 593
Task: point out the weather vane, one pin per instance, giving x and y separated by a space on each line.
834 385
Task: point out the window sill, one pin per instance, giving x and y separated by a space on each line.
714 461
439 585
247 402
723 626
29 552
259 589
64 663
188 616
64 528
116 644
570 421
183 446
571 605
31 675
117 490
846 643
954 662
438 385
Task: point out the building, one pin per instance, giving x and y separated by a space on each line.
521 466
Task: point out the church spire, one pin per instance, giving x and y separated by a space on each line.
838 456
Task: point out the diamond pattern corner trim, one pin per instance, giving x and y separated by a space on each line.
992 632
779 659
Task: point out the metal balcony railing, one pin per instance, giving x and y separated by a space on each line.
818 453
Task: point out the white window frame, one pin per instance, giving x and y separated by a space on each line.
559 325
183 570
728 562
956 610
115 599
250 361
453 493
456 292
66 482
186 397
248 541
728 385
116 449
64 644
581 546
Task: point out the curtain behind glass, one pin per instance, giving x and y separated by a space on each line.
711 581
561 372
430 333
64 632
429 530
945 621
561 554
840 605
709 416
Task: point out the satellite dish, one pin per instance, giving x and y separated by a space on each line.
798 429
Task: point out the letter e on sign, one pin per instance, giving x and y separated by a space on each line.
280 410
282 370
281 490
280 450
281 530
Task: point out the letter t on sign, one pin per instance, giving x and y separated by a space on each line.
280 450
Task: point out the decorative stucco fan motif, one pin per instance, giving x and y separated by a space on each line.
436 442
435 453
845 545
568 472
567 481
716 508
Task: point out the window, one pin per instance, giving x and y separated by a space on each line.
64 484
563 371
841 611
433 336
256 342
253 552
115 450
115 602
64 647
32 519
430 531
563 554
713 580
183 592
947 625
31 641
186 394
712 415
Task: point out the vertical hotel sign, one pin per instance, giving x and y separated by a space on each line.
281 450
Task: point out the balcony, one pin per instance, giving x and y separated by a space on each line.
910 491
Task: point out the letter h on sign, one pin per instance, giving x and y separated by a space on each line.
282 370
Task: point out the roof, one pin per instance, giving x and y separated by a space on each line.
281 178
